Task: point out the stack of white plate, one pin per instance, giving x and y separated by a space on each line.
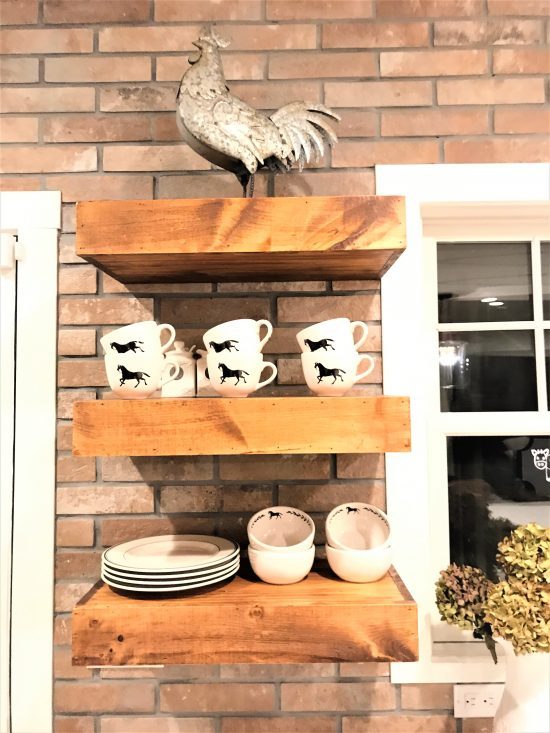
170 563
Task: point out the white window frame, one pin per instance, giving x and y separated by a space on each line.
506 202
28 459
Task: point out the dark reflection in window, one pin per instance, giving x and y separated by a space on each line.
487 371
484 282
545 257
547 351
495 484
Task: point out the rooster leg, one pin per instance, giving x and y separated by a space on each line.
251 188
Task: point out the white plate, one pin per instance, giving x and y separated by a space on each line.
183 574
171 552
156 580
167 589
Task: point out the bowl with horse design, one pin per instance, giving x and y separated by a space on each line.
357 526
281 529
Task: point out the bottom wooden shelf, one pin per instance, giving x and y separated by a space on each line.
246 621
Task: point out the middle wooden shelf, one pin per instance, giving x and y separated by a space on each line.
255 425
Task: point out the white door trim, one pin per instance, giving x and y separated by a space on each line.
36 217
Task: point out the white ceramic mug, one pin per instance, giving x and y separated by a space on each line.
238 375
239 336
138 338
138 376
333 335
333 374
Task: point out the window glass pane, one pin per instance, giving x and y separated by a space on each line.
547 350
487 371
545 255
495 484
469 273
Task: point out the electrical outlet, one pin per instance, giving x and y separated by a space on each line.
477 701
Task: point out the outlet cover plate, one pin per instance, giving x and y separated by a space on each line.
477 701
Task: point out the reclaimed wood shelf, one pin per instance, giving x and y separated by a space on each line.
255 425
277 238
321 619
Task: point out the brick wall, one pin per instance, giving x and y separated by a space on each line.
88 96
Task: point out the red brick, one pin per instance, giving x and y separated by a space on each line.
357 123
209 185
52 99
498 150
75 468
272 94
362 465
318 9
207 311
326 183
490 91
378 93
267 37
324 497
100 499
73 724
315 64
312 309
375 35
67 253
93 697
66 398
18 70
274 468
77 279
67 595
110 285
517 119
157 468
487 32
63 667
428 8
359 154
425 122
369 285
521 60
152 158
86 188
137 99
433 63
188 672
236 66
284 724
78 532
96 128
510 7
477 725
78 565
19 183
152 38
431 723
179 499
276 671
156 724
18 12
62 629
19 130
207 10
364 669
42 159
96 11
97 69
81 373
64 436
222 697
114 531
427 697
337 696
47 41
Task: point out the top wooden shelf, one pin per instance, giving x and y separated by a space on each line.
194 240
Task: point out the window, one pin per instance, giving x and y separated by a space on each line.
468 305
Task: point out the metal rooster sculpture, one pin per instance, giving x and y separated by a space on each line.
233 135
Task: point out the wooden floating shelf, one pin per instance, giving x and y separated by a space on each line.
254 425
279 238
321 619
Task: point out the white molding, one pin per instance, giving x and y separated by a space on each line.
36 216
442 200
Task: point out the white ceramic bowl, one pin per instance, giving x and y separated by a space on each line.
357 526
281 529
281 568
359 566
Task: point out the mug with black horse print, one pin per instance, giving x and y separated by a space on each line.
238 375
237 337
333 374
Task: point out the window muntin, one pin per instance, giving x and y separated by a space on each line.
545 268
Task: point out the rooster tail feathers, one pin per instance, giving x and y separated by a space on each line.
306 130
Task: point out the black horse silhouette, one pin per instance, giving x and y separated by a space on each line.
227 372
275 515
352 510
229 344
322 344
123 348
324 372
127 374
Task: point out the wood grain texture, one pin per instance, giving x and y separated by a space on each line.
278 238
252 425
321 619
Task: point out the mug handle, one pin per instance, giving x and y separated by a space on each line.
266 338
172 330
271 377
171 373
363 326
367 371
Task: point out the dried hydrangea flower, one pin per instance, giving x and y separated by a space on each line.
519 610
525 553
461 592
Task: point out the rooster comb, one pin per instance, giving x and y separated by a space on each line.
208 33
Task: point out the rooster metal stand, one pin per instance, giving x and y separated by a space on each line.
233 135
